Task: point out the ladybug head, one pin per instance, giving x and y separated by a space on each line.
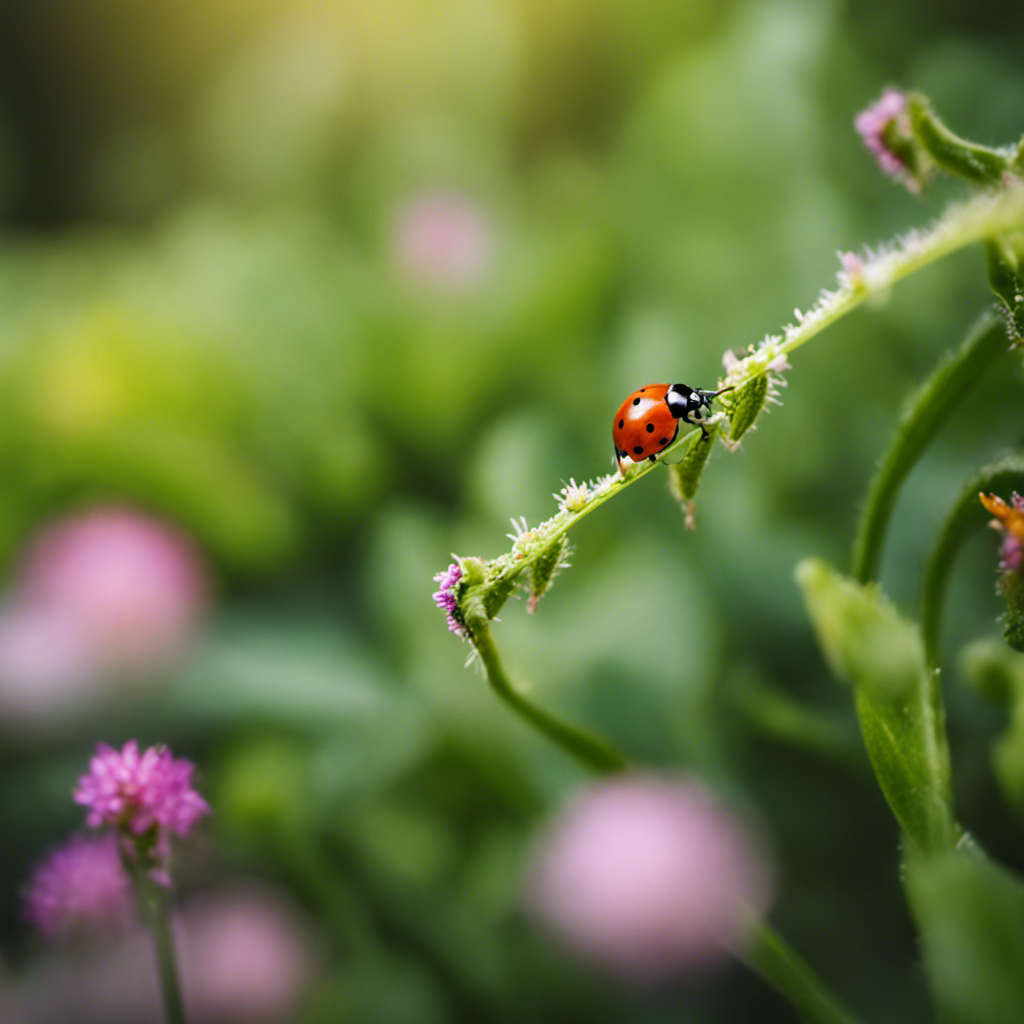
685 402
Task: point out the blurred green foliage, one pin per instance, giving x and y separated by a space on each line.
206 310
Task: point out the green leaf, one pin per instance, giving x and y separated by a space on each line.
971 915
867 642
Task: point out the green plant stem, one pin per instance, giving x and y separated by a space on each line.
591 751
153 899
780 966
924 414
986 215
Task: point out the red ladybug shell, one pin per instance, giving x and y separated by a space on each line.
644 424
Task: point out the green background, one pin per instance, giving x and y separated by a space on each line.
201 314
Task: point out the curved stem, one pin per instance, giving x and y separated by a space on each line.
966 515
923 416
591 751
777 963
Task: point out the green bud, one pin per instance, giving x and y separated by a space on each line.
684 476
747 403
544 570
864 638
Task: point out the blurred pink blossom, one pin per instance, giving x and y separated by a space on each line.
649 877
47 664
79 886
245 957
135 585
442 241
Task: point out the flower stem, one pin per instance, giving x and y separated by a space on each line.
925 413
156 913
591 751
779 965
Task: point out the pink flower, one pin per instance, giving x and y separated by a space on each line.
135 586
134 791
448 602
81 885
245 956
649 877
442 240
47 665
885 128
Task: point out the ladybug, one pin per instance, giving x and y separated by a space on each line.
648 420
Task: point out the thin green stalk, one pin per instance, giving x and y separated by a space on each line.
153 899
591 751
923 415
986 215
779 965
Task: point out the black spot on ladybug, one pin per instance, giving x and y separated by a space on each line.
650 428
638 450
622 423
636 401
663 441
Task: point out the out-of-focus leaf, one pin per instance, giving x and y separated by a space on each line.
302 675
998 671
971 915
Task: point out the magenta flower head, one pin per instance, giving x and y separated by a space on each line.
134 791
648 877
79 887
446 598
886 131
